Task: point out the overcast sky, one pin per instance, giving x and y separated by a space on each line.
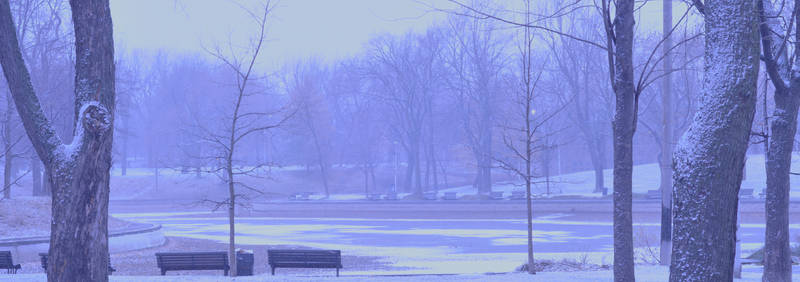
328 29
297 28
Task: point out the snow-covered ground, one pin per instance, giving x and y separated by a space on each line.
431 246
645 177
646 273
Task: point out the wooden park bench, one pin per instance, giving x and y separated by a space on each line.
746 193
43 259
450 196
653 194
193 261
7 263
305 259
518 195
429 195
496 195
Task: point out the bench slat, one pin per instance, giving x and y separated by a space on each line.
305 259
193 261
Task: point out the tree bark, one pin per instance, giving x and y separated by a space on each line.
709 159
781 132
36 175
231 210
624 126
78 172
777 254
8 148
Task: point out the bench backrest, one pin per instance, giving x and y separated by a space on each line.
210 259
313 256
5 259
43 259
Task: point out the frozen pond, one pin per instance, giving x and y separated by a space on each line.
425 245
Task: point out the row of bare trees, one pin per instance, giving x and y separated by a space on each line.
708 162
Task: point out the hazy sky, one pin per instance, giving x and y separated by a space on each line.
329 29
297 28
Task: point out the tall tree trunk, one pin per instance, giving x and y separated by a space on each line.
8 154
779 145
599 178
597 154
321 159
777 254
417 171
484 151
624 126
409 171
124 163
666 140
47 185
7 171
78 172
434 169
36 176
231 213
709 159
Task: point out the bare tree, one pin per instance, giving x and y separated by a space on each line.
79 171
519 138
362 131
709 160
242 119
591 104
307 89
476 57
619 45
775 40
407 69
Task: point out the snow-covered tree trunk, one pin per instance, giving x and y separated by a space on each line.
783 126
78 172
709 158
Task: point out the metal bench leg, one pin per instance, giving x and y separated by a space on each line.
337 272
273 271
226 272
163 272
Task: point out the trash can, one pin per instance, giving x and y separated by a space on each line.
244 264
